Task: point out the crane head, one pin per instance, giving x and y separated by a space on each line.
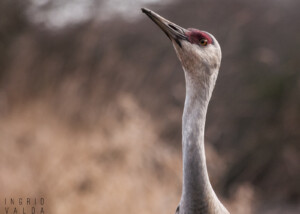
197 50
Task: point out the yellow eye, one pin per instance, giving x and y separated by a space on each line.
203 42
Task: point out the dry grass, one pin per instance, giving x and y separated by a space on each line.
109 168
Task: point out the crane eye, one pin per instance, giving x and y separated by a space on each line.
203 42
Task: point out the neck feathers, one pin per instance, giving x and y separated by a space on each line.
197 195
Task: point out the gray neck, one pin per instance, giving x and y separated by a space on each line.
197 193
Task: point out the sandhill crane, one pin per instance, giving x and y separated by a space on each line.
200 55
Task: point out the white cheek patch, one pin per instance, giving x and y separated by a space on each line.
197 58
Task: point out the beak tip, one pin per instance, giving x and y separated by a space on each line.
145 10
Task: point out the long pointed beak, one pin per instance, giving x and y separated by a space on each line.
173 31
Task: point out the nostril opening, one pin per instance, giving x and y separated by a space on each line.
173 27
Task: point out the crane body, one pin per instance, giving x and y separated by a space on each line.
200 55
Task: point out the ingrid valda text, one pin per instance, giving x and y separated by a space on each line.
22 206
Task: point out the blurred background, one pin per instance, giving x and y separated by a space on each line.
91 98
